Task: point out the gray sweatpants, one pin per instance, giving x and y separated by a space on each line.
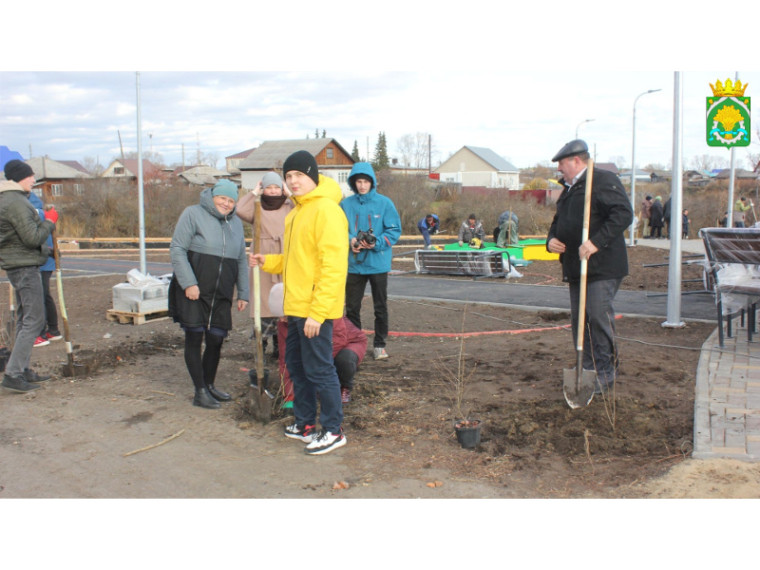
599 347
28 284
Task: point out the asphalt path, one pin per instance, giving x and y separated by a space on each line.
699 306
694 306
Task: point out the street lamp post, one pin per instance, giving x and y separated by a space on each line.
579 126
633 166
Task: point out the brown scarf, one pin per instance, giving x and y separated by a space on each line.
272 202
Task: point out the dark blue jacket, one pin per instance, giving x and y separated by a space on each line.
49 265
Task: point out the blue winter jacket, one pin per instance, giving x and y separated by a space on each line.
37 203
371 211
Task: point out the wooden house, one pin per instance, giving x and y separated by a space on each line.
128 168
332 159
54 179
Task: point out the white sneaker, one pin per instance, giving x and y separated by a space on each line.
326 442
380 354
306 433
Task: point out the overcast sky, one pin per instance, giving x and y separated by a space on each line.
522 98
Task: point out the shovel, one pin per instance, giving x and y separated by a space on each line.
10 326
263 399
70 369
579 384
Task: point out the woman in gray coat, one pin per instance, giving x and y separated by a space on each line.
209 260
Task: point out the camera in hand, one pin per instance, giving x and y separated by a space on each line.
367 237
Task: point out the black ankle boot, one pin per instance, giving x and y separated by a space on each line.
218 394
204 399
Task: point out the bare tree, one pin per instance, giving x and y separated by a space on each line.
92 165
414 150
705 163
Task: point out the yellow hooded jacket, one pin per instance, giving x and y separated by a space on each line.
314 261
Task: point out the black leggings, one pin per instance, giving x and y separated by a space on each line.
202 368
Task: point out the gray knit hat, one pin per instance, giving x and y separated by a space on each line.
271 178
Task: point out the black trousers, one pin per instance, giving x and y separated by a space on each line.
355 285
346 363
51 313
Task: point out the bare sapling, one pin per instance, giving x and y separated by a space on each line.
457 377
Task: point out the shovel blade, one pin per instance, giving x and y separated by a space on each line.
578 391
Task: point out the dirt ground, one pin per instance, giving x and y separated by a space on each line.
128 429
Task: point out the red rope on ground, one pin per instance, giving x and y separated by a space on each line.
480 333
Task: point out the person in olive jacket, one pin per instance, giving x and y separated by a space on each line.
605 250
23 249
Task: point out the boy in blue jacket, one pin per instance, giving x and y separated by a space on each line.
50 332
374 226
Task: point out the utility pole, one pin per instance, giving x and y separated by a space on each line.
731 185
140 181
633 166
676 189
430 154
121 147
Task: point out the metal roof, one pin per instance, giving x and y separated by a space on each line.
49 169
499 163
203 175
271 154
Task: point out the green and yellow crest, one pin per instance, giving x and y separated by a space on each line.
728 115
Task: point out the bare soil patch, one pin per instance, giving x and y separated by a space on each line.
69 439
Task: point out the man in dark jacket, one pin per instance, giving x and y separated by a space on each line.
605 250
22 251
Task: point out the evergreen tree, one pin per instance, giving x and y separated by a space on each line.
355 153
381 161
324 134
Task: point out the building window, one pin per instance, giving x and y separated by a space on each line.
56 189
329 153
37 191
118 170
342 176
79 188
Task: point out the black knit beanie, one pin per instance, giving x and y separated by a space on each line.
17 170
302 161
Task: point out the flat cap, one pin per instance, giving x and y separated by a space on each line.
571 149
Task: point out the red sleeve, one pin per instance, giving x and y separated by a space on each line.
340 341
282 335
356 340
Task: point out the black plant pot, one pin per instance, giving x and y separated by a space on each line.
468 432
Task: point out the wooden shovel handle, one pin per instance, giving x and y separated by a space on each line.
257 297
584 262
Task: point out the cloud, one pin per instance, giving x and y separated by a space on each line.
522 115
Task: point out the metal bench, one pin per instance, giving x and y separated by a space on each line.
733 272
475 263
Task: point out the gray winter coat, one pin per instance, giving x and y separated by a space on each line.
207 250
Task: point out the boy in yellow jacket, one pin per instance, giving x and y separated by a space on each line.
313 265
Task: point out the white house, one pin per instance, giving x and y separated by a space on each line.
478 166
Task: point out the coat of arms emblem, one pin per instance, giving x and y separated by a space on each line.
728 115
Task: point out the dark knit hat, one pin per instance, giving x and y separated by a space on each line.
302 161
17 170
